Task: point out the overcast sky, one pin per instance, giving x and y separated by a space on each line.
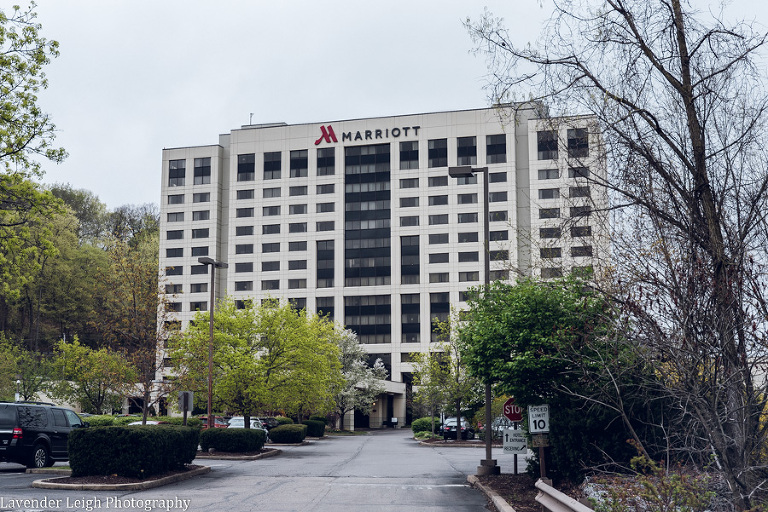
136 76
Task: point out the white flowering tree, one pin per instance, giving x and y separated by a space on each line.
362 382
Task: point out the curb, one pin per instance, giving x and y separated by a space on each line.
223 456
40 471
139 486
498 502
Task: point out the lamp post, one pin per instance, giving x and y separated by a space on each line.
214 265
17 398
488 465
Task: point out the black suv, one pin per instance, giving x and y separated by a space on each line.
35 434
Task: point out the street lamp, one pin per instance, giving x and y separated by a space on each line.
214 265
18 391
488 465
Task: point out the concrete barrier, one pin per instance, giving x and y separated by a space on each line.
556 501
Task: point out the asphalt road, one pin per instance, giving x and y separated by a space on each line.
386 471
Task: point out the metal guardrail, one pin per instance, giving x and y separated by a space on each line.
555 501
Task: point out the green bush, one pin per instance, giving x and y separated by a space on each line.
102 420
319 418
282 420
135 452
421 436
179 420
233 440
120 421
424 425
314 428
288 434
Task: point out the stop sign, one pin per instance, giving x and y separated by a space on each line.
512 411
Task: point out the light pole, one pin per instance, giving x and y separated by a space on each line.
18 391
488 465
214 265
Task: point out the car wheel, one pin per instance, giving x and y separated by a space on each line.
40 457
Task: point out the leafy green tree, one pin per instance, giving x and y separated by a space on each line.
91 213
32 370
362 382
96 379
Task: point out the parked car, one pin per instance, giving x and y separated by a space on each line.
269 422
149 422
218 422
239 422
34 433
448 429
499 424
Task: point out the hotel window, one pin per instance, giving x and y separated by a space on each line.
243 286
244 230
271 192
409 202
270 229
438 181
295 284
466 150
578 192
244 249
438 238
199 269
297 227
437 153
200 233
326 189
272 165
327 225
297 191
409 183
270 266
246 194
176 199
467 218
272 247
299 163
174 271
468 237
550 232
175 217
297 209
499 275
246 167
439 257
439 277
272 284
581 211
496 177
198 306
496 149
174 253
244 267
297 246
176 234
173 288
578 172
496 197
270 211
549 213
465 277
549 193
298 303
578 143
498 236
326 207
547 145
551 272
467 180
202 171
549 174
435 220
202 197
500 216
468 256
200 251
498 255
584 250
326 161
409 221
176 171
550 252
297 265
325 306
409 155
201 215
580 231
467 198
173 307
438 200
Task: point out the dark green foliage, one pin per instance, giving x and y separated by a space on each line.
424 424
233 440
320 418
288 434
282 420
179 420
314 428
135 452
121 421
100 420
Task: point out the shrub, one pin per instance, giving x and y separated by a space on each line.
424 425
288 434
120 421
134 452
320 418
233 440
179 420
421 436
314 428
102 420
282 420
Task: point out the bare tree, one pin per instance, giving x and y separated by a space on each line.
681 108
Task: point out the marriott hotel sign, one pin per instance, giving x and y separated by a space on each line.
328 135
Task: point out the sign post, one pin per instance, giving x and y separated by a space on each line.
538 423
185 403
513 413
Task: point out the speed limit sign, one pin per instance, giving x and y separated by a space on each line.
538 419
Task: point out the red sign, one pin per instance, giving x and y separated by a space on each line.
327 135
512 411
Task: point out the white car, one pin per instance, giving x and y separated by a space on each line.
239 422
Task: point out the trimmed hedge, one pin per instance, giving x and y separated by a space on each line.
320 418
288 434
314 428
282 420
135 452
424 425
101 420
233 440
179 420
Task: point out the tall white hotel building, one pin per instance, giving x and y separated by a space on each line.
359 219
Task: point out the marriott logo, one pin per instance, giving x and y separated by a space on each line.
328 135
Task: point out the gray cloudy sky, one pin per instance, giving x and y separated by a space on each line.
135 76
